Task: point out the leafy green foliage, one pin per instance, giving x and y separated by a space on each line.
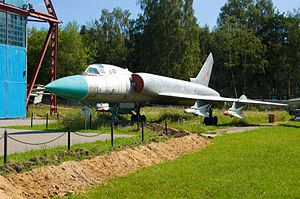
72 56
255 47
168 38
255 40
108 36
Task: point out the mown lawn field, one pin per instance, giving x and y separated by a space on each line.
263 163
175 117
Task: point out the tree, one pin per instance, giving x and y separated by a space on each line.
73 53
293 52
72 56
35 43
242 52
274 37
108 37
168 38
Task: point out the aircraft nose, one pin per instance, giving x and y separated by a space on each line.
74 87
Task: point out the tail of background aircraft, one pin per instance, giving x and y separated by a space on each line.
204 75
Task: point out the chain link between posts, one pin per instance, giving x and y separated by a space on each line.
90 136
35 144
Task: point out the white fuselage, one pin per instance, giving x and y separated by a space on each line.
142 88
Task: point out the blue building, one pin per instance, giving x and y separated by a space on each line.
13 69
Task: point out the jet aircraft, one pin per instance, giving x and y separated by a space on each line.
121 88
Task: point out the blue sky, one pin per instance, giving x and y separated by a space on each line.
83 12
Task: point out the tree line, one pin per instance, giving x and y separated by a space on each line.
255 47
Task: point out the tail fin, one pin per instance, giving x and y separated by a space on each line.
204 75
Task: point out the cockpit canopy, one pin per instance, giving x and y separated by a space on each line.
104 69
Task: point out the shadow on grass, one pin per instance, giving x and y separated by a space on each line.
289 125
173 117
77 123
237 124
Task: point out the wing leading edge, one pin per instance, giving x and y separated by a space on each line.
213 99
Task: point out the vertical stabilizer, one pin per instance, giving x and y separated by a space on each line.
204 75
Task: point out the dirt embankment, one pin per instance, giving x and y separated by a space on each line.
69 177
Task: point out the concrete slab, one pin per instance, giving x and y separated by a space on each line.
23 122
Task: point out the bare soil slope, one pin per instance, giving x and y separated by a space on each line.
68 177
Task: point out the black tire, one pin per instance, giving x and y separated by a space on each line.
215 120
134 118
143 118
207 121
115 123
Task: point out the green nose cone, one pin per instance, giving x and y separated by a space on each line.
71 87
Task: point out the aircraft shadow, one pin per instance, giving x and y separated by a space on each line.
173 117
289 125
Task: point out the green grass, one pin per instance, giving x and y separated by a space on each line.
263 163
178 119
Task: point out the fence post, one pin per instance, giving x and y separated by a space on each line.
166 127
90 121
31 120
85 122
5 146
47 121
112 134
142 131
69 139
138 122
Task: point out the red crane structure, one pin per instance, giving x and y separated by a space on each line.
52 35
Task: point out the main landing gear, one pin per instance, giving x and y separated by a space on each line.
115 112
208 121
137 117
134 110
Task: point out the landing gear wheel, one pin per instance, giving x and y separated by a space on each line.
115 123
207 121
210 121
214 120
134 118
143 118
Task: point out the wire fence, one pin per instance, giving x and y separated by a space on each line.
7 136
